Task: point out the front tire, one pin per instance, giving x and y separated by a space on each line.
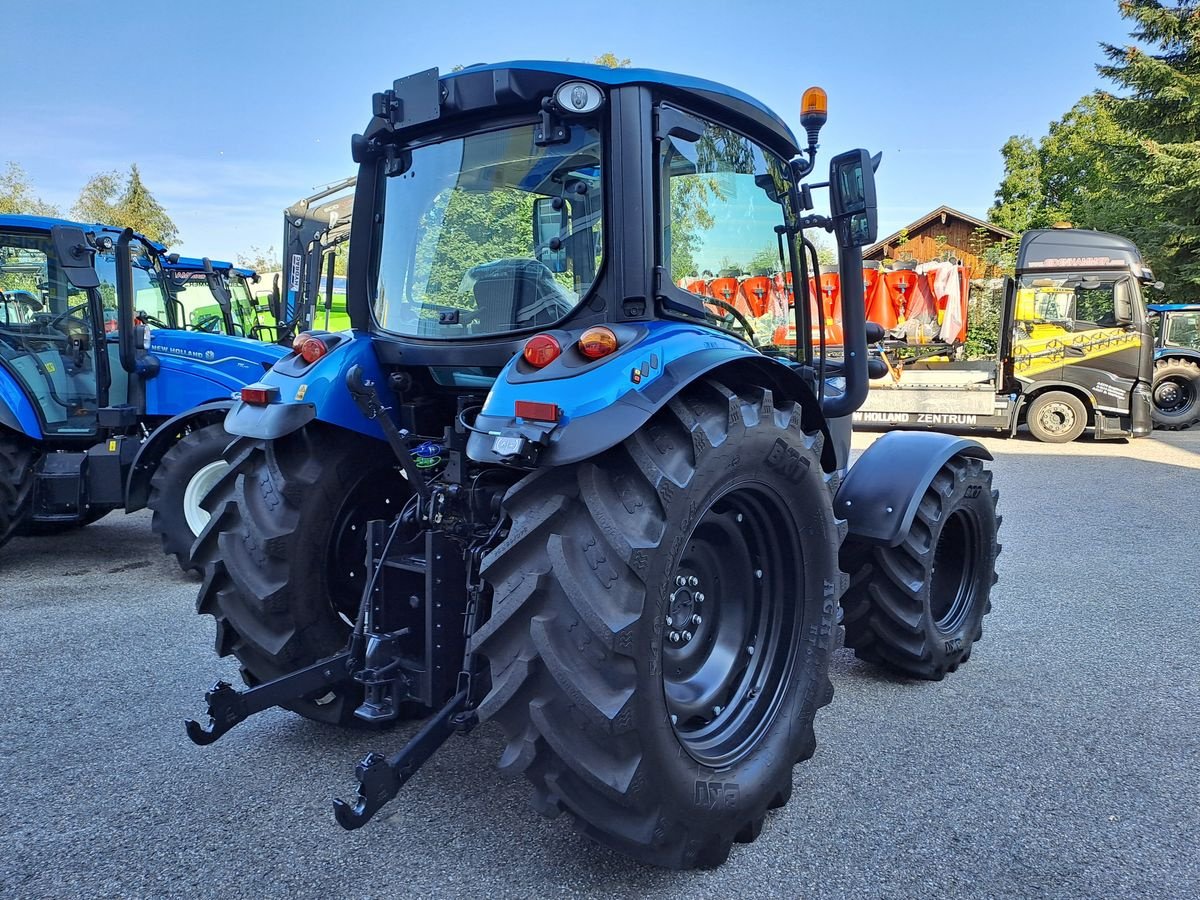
661 626
1176 394
184 477
918 608
284 553
1056 417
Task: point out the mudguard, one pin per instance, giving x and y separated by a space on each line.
16 409
313 392
600 403
1185 353
880 494
162 439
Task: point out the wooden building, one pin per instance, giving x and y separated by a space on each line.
944 233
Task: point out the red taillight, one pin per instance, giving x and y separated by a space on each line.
541 350
597 342
539 412
259 394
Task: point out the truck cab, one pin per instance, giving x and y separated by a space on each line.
1074 351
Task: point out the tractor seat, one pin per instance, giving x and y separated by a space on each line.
513 294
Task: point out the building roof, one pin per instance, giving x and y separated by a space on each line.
1003 233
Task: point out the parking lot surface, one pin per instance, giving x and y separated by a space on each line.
1061 761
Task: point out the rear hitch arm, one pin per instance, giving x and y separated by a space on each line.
227 707
380 778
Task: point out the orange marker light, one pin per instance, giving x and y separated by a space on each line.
541 350
313 349
597 342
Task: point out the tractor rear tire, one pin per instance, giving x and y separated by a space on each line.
918 608
1056 417
17 458
1176 394
283 554
665 721
185 475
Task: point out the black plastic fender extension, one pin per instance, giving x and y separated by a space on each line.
879 496
162 439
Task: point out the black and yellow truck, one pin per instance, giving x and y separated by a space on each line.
1075 352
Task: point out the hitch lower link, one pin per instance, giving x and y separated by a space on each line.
379 777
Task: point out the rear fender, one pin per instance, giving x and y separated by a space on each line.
880 494
1183 353
601 403
314 392
162 439
16 409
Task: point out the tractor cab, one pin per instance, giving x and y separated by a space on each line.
213 296
60 338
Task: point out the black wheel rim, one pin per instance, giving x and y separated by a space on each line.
375 496
952 579
730 645
1174 396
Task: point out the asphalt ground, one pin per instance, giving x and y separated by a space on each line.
1062 761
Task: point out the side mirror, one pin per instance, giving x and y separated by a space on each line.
76 255
852 198
549 226
1123 306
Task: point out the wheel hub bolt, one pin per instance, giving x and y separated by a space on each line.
681 581
696 620
750 650
669 622
699 598
675 637
693 581
717 710
687 636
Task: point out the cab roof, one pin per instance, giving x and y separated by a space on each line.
522 81
195 264
1173 307
45 223
1046 249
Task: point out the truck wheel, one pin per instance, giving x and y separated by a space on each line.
1056 417
918 608
185 475
661 626
283 554
1176 394
16 483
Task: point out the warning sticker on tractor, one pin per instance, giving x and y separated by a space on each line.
112 446
301 391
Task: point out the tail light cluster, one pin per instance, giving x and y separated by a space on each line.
596 342
309 346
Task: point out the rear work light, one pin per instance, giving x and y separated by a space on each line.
260 394
597 342
310 347
541 350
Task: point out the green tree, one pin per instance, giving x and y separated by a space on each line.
612 61
17 196
260 260
105 198
1020 198
1161 106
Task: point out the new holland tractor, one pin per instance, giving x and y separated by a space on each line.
541 486
1176 365
105 403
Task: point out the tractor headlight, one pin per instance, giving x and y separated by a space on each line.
578 97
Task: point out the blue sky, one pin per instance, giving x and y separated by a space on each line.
235 109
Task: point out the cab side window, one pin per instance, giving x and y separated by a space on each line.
723 197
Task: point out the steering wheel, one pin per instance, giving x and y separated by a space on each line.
50 320
148 319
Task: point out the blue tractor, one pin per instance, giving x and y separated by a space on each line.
602 512
105 403
1176 365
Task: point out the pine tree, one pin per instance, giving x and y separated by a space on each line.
137 209
1161 106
